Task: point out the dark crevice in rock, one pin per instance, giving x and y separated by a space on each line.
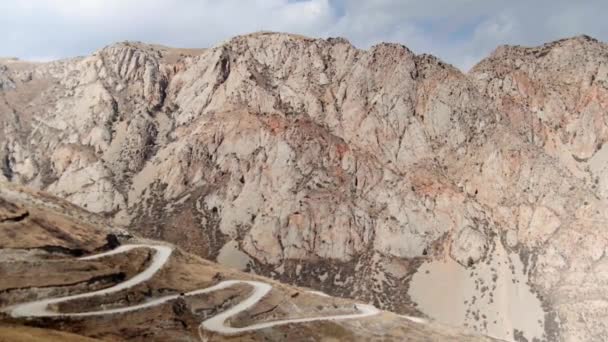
112 242
17 218
163 83
580 160
224 65
76 252
5 166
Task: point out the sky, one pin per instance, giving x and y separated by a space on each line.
460 32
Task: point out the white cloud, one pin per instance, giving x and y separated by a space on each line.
459 31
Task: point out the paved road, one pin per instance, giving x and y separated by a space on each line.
217 323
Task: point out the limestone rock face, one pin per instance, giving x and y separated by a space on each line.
5 81
469 246
340 169
555 96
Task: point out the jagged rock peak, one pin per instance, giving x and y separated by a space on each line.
581 44
271 36
267 38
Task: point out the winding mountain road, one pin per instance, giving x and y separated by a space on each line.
217 323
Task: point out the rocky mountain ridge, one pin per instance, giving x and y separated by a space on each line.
341 169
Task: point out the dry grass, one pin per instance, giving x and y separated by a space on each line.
15 333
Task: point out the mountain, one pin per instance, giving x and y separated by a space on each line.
379 175
555 96
63 269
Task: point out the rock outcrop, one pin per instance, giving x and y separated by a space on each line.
341 169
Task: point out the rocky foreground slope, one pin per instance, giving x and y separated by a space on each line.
62 269
475 199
